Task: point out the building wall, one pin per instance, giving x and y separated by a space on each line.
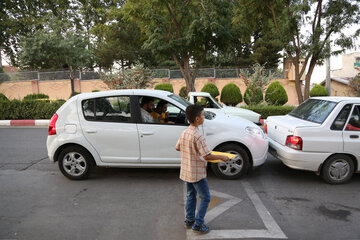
347 69
60 89
340 89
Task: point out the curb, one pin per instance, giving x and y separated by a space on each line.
41 122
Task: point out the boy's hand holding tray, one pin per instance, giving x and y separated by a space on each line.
229 155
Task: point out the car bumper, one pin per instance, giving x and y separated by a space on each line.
260 160
297 159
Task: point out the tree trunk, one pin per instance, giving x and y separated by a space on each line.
308 77
298 82
71 76
185 70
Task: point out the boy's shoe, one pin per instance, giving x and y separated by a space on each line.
188 223
200 228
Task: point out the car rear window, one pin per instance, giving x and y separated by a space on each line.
314 110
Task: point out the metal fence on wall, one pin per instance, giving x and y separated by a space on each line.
156 73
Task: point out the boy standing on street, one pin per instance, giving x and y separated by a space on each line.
194 156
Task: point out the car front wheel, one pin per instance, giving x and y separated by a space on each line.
75 163
338 169
235 168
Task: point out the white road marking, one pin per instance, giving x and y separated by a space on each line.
272 228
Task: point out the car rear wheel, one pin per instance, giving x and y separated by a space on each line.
338 169
232 169
75 163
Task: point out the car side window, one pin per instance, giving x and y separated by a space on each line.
341 118
107 109
159 111
354 121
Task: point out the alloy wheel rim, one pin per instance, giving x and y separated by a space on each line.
231 167
74 164
339 170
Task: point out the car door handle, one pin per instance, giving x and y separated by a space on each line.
354 136
91 131
147 133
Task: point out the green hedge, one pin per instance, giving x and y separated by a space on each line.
36 96
3 97
15 109
182 92
268 110
275 94
212 89
165 86
318 90
231 94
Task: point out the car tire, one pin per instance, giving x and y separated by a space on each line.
232 169
75 163
338 169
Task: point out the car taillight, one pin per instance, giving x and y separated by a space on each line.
294 142
52 130
265 128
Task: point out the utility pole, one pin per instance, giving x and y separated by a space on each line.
327 62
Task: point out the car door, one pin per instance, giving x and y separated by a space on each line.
158 140
108 124
351 134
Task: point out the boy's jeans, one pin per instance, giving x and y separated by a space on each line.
192 189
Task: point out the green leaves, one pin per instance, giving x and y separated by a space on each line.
135 78
55 48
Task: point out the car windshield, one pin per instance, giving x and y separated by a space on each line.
180 100
314 110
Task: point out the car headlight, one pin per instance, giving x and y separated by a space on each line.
255 132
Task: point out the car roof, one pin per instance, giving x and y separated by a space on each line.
200 94
339 99
150 92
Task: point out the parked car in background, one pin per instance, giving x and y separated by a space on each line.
321 135
106 129
212 105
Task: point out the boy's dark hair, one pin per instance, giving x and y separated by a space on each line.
193 111
146 100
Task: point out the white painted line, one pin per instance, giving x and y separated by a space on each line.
5 122
264 214
272 228
219 209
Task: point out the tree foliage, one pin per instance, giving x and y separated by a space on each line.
257 76
135 78
253 95
185 30
304 28
355 84
56 47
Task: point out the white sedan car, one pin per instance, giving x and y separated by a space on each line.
212 105
106 129
320 135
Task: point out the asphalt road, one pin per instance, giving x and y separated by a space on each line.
272 202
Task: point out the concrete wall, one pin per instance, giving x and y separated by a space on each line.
347 69
340 89
60 89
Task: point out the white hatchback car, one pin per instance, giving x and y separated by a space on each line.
106 129
320 135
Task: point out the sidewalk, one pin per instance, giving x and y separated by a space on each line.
41 122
